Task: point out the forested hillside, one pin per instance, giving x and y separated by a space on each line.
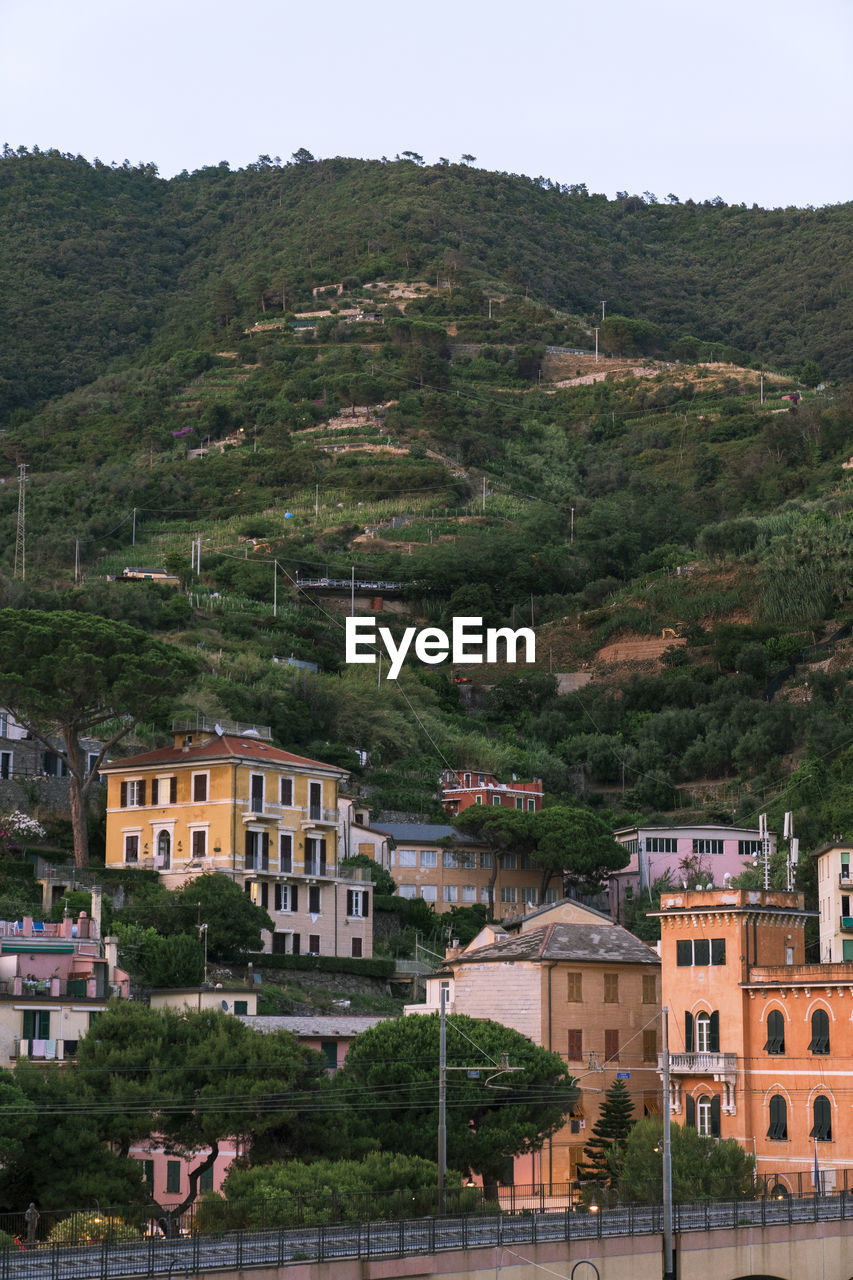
442 422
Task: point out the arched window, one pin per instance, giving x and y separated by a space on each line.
708 1032
820 1032
778 1129
164 848
822 1112
775 1032
703 1116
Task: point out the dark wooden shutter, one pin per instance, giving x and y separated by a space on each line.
294 900
123 798
365 903
688 1033
296 944
683 953
142 792
822 1127
714 1032
575 1045
248 858
265 852
820 1032
322 844
350 902
155 790
173 791
715 1115
690 1111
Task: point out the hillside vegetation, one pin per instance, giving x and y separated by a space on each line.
444 424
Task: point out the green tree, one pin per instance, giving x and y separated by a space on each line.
503 831
577 843
195 1078
233 921
383 881
73 675
397 1062
602 1164
810 374
702 1168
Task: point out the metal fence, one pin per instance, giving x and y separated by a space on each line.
112 1258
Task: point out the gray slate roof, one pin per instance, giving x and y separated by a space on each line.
422 832
329 1027
608 944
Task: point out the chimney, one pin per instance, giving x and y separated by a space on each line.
97 904
83 925
111 955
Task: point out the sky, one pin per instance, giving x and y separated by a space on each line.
749 100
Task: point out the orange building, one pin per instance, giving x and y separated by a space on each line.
460 788
761 1043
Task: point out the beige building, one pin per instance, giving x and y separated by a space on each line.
586 989
226 800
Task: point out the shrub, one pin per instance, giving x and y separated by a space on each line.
91 1228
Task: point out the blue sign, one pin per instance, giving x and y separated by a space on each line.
623 1075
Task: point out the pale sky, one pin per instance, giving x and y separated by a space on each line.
751 100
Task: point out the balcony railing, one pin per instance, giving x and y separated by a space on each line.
701 1063
43 1050
316 813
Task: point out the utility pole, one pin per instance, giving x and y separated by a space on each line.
596 345
133 534
275 588
352 591
761 392
442 1102
76 559
668 1272
316 502
603 303
484 493
21 533
572 528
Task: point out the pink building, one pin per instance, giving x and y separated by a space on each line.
460 788
693 856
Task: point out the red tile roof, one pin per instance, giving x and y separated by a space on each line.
228 746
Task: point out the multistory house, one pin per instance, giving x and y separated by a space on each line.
449 869
461 788
54 981
761 1042
835 899
587 990
224 799
693 856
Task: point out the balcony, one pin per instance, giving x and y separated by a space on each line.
846 924
844 882
719 1065
319 817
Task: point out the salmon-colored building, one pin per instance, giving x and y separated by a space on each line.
461 788
761 1043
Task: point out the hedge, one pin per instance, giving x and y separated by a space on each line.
369 968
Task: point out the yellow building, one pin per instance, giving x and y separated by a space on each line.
227 800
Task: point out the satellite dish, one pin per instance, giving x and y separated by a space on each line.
218 730
710 886
224 1006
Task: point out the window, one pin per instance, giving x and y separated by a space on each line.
661 844
574 988
358 902
285 853
199 843
407 891
295 942
429 892
704 1039
164 849
775 1032
550 896
845 866
496 800
510 862
519 802
407 857
820 1032
531 806
450 893
199 788
478 800
718 951
132 793
173 1177
5 764
822 1113
315 801
285 793
683 953
36 1024
749 848
611 1046
314 899
205 1182
650 989
469 893
707 846
487 861
574 1049
356 948
467 861
256 792
315 857
155 790
257 851
131 848
329 1050
650 1045
448 859
701 951
286 897
429 857
778 1128
314 944
241 1008
484 894
508 893
703 1116
611 988
148 1174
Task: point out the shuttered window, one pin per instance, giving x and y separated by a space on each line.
775 1032
822 1112
819 1042
574 1048
778 1128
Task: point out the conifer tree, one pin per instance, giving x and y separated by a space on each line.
613 1125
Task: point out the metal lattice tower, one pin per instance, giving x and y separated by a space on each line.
21 534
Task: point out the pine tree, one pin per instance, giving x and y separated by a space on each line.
613 1125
